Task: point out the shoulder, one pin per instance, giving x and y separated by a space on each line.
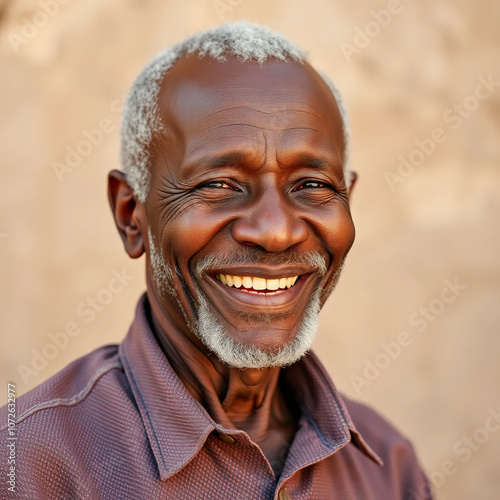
377 430
55 430
69 387
395 450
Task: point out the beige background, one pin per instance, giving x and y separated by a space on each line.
59 247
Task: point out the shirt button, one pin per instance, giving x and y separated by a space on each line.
284 495
226 438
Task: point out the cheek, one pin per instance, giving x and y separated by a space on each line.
192 230
337 232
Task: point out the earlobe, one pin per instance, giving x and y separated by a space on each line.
127 212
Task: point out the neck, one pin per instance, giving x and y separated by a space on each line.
249 400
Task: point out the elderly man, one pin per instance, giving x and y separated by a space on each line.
236 186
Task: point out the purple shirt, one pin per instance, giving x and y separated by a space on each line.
119 424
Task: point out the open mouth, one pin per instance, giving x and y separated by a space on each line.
254 288
258 285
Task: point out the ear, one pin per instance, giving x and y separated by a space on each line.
128 213
354 178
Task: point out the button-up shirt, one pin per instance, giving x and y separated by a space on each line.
118 423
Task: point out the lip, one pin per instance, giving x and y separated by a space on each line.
256 302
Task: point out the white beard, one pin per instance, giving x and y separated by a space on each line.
215 336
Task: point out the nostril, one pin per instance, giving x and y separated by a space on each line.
273 230
251 244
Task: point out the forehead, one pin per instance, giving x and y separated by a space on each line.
208 106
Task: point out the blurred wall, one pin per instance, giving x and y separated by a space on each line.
413 328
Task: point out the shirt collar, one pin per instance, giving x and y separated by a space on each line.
323 407
177 425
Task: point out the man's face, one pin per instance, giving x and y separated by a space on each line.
248 205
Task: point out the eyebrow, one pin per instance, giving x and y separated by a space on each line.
216 161
315 161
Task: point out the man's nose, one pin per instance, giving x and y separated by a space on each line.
270 223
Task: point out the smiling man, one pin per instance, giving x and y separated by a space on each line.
236 186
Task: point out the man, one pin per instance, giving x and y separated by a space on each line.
235 185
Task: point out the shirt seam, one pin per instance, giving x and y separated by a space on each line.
314 425
73 400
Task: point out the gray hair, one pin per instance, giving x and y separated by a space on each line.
141 119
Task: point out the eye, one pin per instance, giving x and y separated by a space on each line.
217 185
312 184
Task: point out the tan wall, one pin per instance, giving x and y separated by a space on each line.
58 245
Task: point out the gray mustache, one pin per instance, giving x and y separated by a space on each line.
255 256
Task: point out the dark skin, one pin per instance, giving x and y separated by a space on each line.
251 157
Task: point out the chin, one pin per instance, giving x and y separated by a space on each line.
218 338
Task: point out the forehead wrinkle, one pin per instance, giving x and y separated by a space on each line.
295 95
250 108
253 110
176 116
198 131
269 128
302 128
238 125
274 123
255 154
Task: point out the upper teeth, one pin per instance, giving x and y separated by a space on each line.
256 283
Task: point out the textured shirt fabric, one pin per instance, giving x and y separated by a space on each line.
119 424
